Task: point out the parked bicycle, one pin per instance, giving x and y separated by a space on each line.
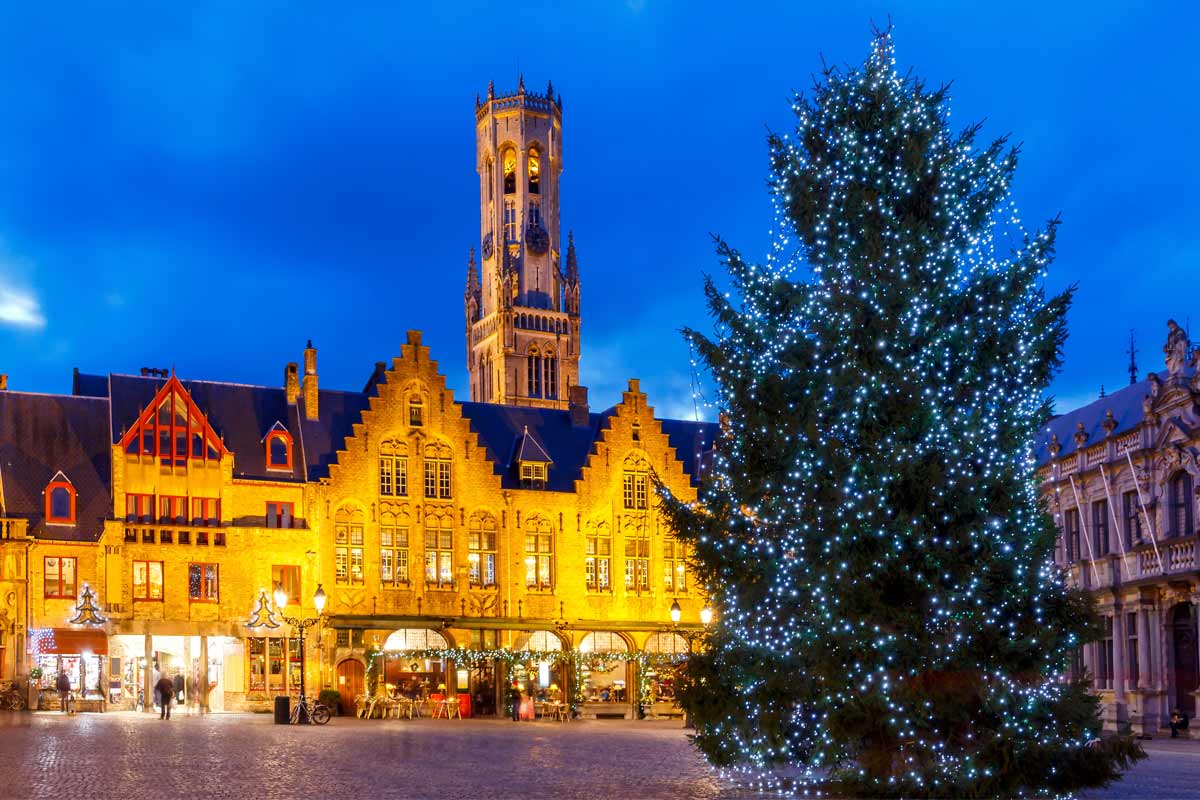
316 712
12 697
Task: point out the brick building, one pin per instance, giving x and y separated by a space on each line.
518 519
1121 476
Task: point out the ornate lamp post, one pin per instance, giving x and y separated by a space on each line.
281 600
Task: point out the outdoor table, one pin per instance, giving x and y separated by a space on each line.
447 708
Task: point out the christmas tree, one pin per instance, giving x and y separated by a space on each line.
890 622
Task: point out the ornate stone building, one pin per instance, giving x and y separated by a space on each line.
520 519
1121 477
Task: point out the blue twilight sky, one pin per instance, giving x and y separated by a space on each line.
205 186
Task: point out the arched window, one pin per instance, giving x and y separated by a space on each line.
415 639
539 642
60 501
535 373
416 411
509 159
279 448
534 162
603 642
666 642
1181 504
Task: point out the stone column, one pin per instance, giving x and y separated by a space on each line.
203 674
1145 646
147 673
1118 665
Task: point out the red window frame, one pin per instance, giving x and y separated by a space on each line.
172 508
50 489
206 511
139 507
277 518
59 595
149 437
200 595
146 587
287 443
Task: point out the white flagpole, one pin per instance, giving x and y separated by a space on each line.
1087 535
1145 515
1116 525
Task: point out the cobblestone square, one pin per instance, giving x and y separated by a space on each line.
132 756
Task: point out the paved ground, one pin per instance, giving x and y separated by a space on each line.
131 757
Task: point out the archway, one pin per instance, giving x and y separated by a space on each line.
1187 670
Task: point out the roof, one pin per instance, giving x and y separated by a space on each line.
528 448
337 412
41 435
1125 405
693 443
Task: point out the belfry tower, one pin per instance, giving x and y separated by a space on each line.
522 298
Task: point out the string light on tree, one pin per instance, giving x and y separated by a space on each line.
890 622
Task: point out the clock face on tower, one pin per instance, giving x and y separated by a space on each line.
487 246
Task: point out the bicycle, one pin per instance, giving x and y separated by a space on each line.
11 697
317 713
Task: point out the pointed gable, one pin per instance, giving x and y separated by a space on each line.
527 448
172 428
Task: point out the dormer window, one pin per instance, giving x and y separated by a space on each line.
416 411
60 501
279 448
533 475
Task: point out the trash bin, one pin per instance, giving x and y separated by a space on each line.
283 709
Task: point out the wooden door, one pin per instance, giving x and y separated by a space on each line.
350 675
1186 672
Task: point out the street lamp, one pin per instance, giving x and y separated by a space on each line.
676 612
705 616
281 600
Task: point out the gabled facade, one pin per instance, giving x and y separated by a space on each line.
1121 477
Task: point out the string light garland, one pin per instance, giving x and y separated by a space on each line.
891 621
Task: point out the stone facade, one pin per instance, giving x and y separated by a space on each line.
1120 476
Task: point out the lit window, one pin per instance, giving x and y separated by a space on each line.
674 567
481 558
172 509
206 511
147 580
287 576
393 556
173 429
637 558
534 162
139 507
634 489
60 502
509 159
539 554
437 472
279 449
280 515
599 557
416 412
348 550
59 577
202 583
439 553
533 475
393 469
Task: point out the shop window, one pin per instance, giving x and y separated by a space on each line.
172 509
481 556
287 576
203 583
393 552
279 515
666 642
59 577
139 507
633 489
60 502
604 679
147 580
674 567
257 652
415 639
279 449
539 554
439 553
206 511
597 565
393 469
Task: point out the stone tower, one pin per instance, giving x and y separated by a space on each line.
522 298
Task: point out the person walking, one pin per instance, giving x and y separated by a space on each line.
63 685
166 690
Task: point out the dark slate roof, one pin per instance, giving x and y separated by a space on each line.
41 435
528 448
1125 404
567 446
323 437
240 414
693 443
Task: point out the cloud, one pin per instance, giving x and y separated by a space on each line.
20 309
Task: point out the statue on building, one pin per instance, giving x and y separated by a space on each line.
1176 348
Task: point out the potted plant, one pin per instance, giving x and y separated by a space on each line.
34 687
329 698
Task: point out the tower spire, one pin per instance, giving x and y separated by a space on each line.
572 261
1132 351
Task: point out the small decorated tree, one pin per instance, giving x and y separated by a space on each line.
890 622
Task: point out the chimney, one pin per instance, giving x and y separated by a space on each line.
577 406
291 382
3 383
310 381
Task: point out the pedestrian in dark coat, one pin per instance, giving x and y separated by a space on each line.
63 685
165 688
178 684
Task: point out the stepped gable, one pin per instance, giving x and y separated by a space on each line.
1125 404
240 414
41 435
501 428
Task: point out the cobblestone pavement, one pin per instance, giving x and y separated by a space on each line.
135 756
